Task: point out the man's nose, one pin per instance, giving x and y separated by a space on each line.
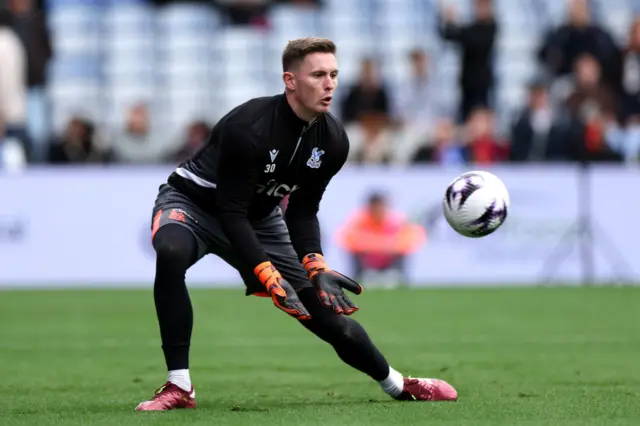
329 85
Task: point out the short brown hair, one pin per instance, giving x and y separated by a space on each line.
298 49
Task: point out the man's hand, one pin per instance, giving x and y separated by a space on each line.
329 284
281 292
448 12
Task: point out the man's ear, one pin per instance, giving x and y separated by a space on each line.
289 80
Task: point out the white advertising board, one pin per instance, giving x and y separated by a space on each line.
82 227
90 226
540 228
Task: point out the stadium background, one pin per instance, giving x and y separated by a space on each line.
114 93
110 109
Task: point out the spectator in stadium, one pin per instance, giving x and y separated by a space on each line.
367 95
445 148
77 145
244 12
371 139
624 141
169 2
536 134
483 146
624 137
29 23
476 41
12 154
138 143
591 95
579 35
631 75
379 239
417 102
13 84
592 104
197 134
305 3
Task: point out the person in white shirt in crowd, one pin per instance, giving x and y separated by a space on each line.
625 139
12 155
418 105
141 141
13 85
30 25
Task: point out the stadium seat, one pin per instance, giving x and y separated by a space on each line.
188 19
618 22
77 97
239 52
129 20
54 4
119 3
291 21
75 29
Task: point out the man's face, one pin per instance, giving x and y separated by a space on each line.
587 71
197 134
635 34
316 80
484 10
420 64
378 210
445 131
579 14
20 6
538 98
138 120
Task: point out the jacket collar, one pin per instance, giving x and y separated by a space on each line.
290 116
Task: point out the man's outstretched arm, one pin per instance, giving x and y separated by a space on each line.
236 185
304 229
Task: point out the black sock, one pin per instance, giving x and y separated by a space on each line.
176 251
349 339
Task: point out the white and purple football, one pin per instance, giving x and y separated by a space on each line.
476 204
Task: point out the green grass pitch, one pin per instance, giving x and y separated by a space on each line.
538 356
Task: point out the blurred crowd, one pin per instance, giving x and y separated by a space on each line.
582 105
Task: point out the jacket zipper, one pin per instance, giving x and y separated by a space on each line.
304 129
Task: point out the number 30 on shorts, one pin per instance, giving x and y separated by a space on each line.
270 168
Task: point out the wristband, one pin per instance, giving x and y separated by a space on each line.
265 271
314 263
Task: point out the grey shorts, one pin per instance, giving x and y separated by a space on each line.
171 206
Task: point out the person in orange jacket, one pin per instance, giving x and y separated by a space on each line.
379 238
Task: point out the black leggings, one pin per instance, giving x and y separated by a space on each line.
176 251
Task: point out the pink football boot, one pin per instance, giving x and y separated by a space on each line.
169 397
427 390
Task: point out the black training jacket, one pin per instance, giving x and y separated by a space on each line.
257 154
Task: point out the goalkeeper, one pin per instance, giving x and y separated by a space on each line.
224 201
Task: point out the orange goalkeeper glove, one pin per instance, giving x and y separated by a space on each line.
329 284
281 292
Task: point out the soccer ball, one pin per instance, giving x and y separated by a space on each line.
476 204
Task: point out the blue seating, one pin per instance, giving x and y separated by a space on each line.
186 62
